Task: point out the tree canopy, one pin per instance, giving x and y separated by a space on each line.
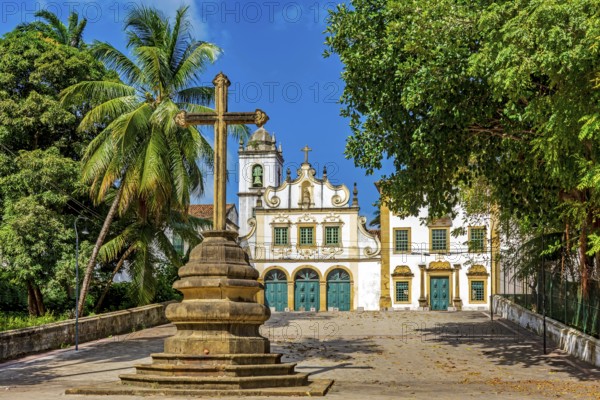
458 91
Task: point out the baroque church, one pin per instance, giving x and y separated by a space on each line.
304 234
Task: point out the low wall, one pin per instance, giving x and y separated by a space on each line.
20 342
574 342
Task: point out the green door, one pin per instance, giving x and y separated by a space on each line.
306 290
338 290
276 290
439 293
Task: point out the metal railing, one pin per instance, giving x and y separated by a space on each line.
563 298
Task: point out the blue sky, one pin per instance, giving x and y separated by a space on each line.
272 53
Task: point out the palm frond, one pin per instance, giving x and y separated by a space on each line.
178 38
141 268
108 111
57 26
145 26
154 64
114 59
77 34
94 92
201 95
239 131
155 175
112 249
193 62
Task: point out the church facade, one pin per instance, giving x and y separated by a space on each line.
304 234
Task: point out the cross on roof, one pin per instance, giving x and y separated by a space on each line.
306 149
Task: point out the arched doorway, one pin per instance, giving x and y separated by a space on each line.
338 290
276 290
306 290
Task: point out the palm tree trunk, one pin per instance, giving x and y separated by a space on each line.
115 271
99 242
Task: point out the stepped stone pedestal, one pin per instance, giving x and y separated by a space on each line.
217 349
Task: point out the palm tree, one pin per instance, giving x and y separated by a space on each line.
144 243
71 35
140 150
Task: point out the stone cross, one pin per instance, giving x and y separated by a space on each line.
306 149
221 118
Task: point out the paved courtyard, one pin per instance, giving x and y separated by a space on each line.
370 355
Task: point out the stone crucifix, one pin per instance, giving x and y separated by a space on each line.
306 149
221 118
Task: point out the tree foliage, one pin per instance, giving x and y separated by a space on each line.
39 171
455 91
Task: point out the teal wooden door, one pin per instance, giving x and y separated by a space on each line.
306 290
338 290
439 293
276 290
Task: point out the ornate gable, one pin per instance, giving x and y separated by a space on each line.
402 270
477 270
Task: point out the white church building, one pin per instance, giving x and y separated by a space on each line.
438 264
304 234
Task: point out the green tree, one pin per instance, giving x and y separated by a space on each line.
33 71
144 244
53 27
140 155
455 91
39 172
36 240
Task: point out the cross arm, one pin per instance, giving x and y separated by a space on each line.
184 118
258 117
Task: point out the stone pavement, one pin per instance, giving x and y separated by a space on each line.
371 355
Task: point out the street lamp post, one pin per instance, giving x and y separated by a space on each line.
491 273
83 232
544 289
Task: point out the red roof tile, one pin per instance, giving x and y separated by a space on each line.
204 211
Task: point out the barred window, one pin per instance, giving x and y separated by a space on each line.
306 235
439 239
402 291
477 239
332 235
401 240
477 291
281 235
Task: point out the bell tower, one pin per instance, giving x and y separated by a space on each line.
261 166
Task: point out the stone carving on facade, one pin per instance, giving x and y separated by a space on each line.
306 217
252 226
332 217
282 218
402 270
330 252
306 252
306 195
477 270
273 201
440 265
280 252
368 251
